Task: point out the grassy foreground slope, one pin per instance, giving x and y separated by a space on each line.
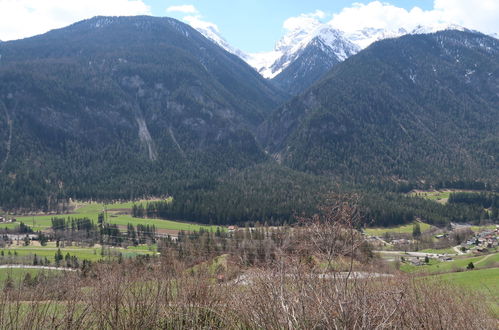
483 281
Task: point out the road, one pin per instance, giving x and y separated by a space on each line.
414 254
248 278
458 250
37 267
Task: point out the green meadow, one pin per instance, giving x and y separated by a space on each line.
25 254
458 264
18 274
438 196
117 213
483 281
404 229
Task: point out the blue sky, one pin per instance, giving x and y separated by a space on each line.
255 25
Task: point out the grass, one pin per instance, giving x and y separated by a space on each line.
123 220
439 251
483 281
482 228
25 254
440 196
18 274
115 216
404 229
460 263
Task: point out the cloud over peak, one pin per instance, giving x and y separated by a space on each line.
25 18
480 15
304 21
185 9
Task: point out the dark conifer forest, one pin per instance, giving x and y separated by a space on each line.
129 108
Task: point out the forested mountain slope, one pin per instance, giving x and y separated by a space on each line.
120 107
420 107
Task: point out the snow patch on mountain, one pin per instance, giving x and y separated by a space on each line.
262 62
365 37
290 47
211 31
339 44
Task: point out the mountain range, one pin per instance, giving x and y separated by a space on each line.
306 54
128 107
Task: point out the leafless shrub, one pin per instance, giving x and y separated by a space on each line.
299 301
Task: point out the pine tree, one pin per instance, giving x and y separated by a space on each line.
416 230
28 280
9 283
58 257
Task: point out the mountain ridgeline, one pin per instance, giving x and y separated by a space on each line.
130 107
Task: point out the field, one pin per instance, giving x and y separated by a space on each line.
457 264
482 228
484 281
118 213
404 229
439 251
17 274
25 254
441 196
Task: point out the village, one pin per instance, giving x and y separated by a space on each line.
439 245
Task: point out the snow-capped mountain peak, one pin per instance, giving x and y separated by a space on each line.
211 32
334 44
367 36
290 47
420 29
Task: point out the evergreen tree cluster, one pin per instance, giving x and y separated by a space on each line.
84 230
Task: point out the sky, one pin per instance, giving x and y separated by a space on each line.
252 25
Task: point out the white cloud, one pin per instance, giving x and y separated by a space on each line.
24 18
304 21
186 9
481 15
197 22
381 15
193 17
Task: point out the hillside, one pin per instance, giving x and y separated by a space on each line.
420 107
121 107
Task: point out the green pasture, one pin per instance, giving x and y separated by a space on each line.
25 254
477 229
18 274
404 229
458 264
118 213
438 196
484 282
